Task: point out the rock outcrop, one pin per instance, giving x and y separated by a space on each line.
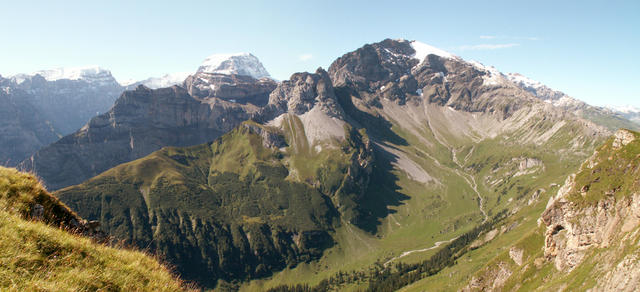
576 222
572 230
589 233
234 88
304 91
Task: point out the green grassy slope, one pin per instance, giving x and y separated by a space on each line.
232 209
238 210
414 220
37 256
609 178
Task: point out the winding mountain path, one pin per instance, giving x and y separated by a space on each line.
406 253
469 179
472 183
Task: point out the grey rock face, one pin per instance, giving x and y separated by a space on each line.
140 122
302 92
235 88
270 139
389 70
572 230
69 104
23 130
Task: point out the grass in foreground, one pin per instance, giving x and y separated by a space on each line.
35 256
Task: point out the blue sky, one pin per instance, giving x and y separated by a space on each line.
588 49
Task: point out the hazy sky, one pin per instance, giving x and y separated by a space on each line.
588 49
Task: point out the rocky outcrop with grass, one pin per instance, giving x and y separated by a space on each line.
44 247
589 234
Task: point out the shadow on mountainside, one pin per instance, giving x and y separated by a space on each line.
382 191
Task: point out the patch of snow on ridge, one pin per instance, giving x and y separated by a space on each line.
238 63
627 109
423 50
73 73
523 80
89 74
567 101
166 81
492 77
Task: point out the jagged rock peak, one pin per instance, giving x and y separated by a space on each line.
234 64
303 91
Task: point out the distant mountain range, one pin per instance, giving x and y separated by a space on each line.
611 117
630 112
68 98
48 104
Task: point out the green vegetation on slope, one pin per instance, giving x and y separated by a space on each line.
596 202
413 220
382 277
616 172
230 209
36 256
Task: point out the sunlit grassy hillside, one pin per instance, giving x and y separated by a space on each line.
36 256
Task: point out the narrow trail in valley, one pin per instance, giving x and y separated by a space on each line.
406 253
471 181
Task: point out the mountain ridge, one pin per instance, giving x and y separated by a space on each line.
432 127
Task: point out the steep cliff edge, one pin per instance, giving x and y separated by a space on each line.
589 234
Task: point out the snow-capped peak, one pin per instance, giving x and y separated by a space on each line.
166 80
238 63
423 50
627 109
89 74
75 73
